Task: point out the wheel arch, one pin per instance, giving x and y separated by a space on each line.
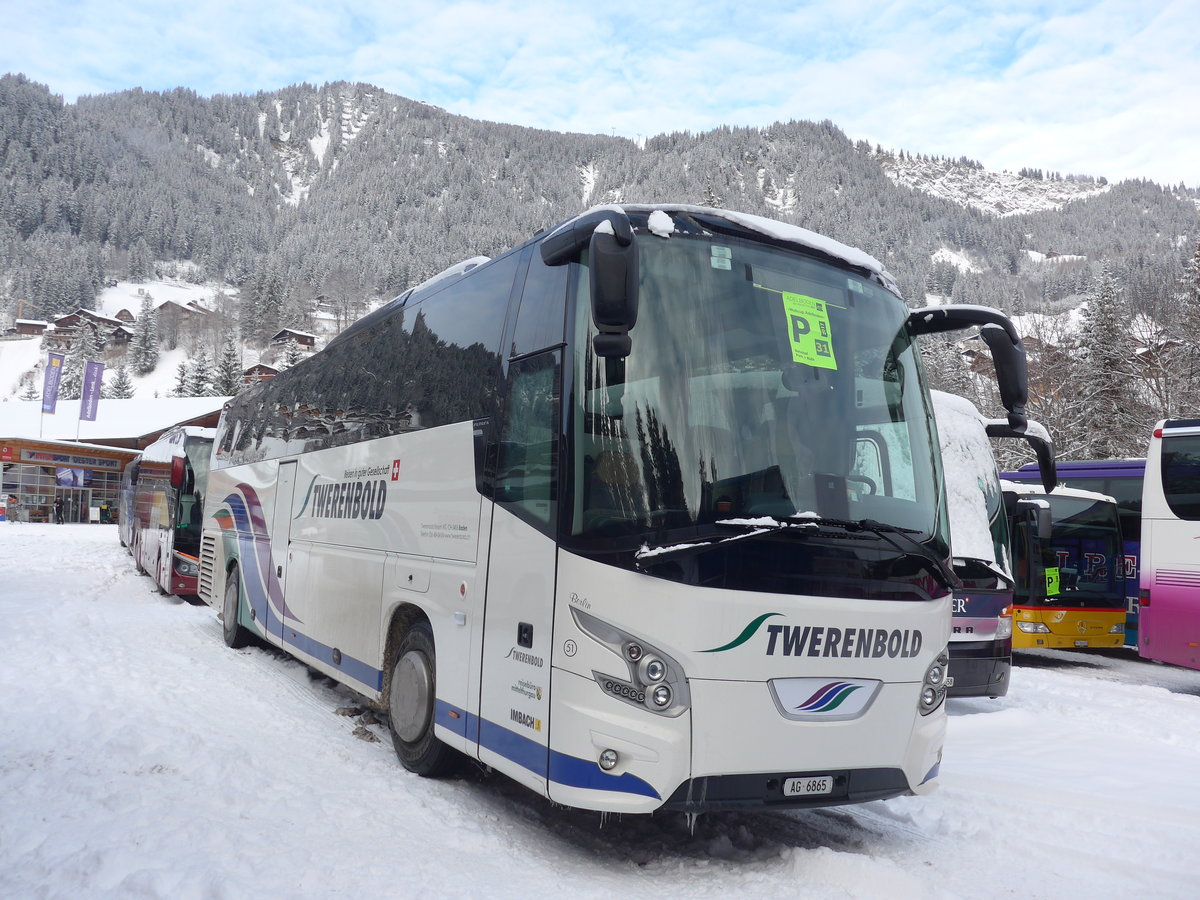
403 617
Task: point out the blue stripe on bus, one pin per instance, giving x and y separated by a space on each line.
355 668
561 768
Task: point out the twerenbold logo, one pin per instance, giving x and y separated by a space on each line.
747 633
828 698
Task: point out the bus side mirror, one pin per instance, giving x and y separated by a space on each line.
613 270
1038 438
614 287
1038 512
133 475
999 333
1045 525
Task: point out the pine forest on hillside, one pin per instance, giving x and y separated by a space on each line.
311 202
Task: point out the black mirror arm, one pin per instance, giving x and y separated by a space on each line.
936 319
1043 448
564 245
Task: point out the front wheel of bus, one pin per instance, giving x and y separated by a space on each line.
235 635
411 704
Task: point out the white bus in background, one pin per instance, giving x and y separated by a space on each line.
981 628
1169 599
645 513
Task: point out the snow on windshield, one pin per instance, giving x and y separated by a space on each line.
972 485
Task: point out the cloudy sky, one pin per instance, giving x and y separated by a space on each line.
1096 87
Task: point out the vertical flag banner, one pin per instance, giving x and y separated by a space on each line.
54 364
93 377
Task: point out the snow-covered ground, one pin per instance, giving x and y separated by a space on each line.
141 757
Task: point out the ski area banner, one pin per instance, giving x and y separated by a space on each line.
54 364
93 377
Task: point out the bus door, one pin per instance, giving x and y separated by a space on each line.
281 524
514 728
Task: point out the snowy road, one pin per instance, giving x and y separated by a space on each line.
141 757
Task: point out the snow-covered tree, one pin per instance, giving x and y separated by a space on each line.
227 380
292 354
141 265
182 381
200 375
121 387
70 385
144 346
1104 381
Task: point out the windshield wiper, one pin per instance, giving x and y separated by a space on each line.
751 528
808 525
941 571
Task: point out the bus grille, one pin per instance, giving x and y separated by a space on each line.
1177 578
208 555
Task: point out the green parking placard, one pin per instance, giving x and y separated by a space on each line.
1052 588
808 331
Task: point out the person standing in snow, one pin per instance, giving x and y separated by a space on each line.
58 511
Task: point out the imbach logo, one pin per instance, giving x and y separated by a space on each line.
827 641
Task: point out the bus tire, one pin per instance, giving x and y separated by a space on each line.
231 629
411 705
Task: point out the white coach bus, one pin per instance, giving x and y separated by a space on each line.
647 512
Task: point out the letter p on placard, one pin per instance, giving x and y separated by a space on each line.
809 332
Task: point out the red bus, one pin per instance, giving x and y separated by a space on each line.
167 503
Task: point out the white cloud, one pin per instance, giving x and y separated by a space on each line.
1101 87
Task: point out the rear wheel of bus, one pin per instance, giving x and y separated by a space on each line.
235 635
411 705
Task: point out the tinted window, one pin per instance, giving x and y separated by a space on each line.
543 308
527 461
417 367
1181 475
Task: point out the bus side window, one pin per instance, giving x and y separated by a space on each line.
870 463
543 308
527 458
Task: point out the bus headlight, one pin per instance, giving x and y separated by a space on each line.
652 670
1004 624
652 681
187 566
1033 627
933 688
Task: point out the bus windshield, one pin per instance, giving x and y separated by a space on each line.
1085 551
763 384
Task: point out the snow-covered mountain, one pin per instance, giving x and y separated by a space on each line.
998 193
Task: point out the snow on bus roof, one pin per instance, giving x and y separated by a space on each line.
1017 487
172 443
780 231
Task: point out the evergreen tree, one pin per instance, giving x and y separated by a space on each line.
144 346
70 385
1104 383
182 381
292 354
121 387
141 266
200 375
228 378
